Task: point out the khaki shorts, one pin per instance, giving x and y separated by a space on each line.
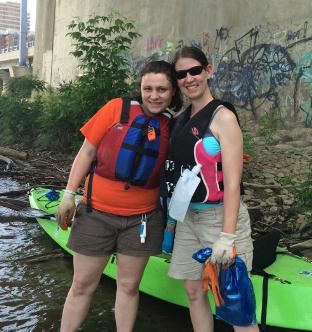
200 229
101 234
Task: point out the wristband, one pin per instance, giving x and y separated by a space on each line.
70 192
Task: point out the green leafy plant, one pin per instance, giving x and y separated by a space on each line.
22 87
303 193
64 111
99 45
18 113
18 120
53 117
302 190
269 123
249 143
286 180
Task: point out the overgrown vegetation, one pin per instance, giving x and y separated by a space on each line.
269 123
22 87
53 116
303 193
302 190
19 114
249 143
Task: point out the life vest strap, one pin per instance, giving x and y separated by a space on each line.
138 125
124 117
140 150
89 190
137 182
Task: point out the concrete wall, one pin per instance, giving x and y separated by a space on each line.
261 50
44 46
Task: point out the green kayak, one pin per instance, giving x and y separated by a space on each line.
289 302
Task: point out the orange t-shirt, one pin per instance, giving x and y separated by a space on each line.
110 195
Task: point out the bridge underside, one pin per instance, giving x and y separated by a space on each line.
9 66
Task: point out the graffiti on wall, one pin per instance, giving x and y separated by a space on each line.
298 34
259 70
162 53
154 43
250 73
303 87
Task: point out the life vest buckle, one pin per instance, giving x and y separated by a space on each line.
151 133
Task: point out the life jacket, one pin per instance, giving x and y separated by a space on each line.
133 150
187 150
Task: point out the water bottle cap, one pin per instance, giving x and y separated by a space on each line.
196 169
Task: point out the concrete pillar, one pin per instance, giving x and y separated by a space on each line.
4 76
23 33
18 71
44 36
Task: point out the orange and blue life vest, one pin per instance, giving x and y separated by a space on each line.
134 149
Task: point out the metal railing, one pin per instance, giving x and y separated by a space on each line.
16 47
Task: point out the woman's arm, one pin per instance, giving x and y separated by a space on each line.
78 171
227 130
81 165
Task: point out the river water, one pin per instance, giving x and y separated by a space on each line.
32 292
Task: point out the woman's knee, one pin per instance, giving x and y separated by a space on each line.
129 287
82 287
194 292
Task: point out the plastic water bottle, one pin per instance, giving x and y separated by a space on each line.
183 193
169 233
143 228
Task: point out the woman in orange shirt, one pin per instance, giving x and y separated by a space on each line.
130 148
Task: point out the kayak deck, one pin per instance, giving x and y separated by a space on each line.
289 298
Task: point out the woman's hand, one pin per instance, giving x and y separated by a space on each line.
223 249
66 210
78 171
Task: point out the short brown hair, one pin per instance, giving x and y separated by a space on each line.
164 67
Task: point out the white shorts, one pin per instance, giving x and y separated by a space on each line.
200 229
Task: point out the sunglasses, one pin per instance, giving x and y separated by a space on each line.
180 74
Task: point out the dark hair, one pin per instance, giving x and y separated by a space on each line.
190 52
164 67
